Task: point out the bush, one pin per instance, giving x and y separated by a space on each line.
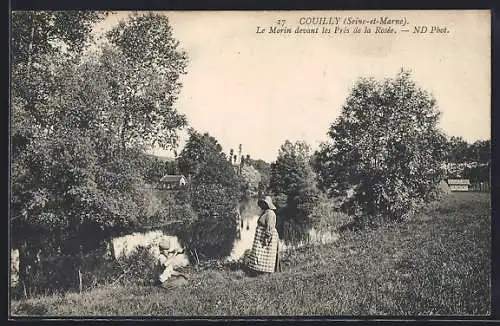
140 267
50 276
327 214
56 274
291 232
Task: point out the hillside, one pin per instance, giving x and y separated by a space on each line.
437 263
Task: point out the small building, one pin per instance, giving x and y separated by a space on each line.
170 181
459 184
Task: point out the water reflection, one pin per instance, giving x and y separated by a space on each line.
246 233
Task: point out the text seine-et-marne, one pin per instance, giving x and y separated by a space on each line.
351 21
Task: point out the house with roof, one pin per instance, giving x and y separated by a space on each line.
459 184
173 181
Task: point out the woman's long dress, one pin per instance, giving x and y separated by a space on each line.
262 256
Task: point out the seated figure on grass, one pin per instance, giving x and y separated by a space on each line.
168 276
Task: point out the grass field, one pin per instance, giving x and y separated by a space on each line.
436 264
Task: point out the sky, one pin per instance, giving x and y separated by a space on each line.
261 89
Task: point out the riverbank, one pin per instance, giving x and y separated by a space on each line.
436 264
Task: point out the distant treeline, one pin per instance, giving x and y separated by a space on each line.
460 151
468 160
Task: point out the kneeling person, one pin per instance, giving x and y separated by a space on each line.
169 276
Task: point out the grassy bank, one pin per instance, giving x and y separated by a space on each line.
436 264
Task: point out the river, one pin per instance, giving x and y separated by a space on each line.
249 213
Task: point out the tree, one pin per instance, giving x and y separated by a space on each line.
146 63
153 169
251 177
198 149
477 174
215 191
37 33
44 47
74 183
42 42
291 166
293 178
480 151
460 155
115 95
264 170
457 150
386 148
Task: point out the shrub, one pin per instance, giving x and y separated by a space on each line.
59 273
327 214
139 267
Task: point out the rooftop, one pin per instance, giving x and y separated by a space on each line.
172 178
458 182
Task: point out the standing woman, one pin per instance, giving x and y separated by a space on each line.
263 257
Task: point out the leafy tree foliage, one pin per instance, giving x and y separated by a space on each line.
469 161
251 177
294 185
38 68
145 63
79 124
264 170
477 174
154 169
459 151
480 151
291 166
43 45
198 149
215 191
44 48
38 33
386 149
